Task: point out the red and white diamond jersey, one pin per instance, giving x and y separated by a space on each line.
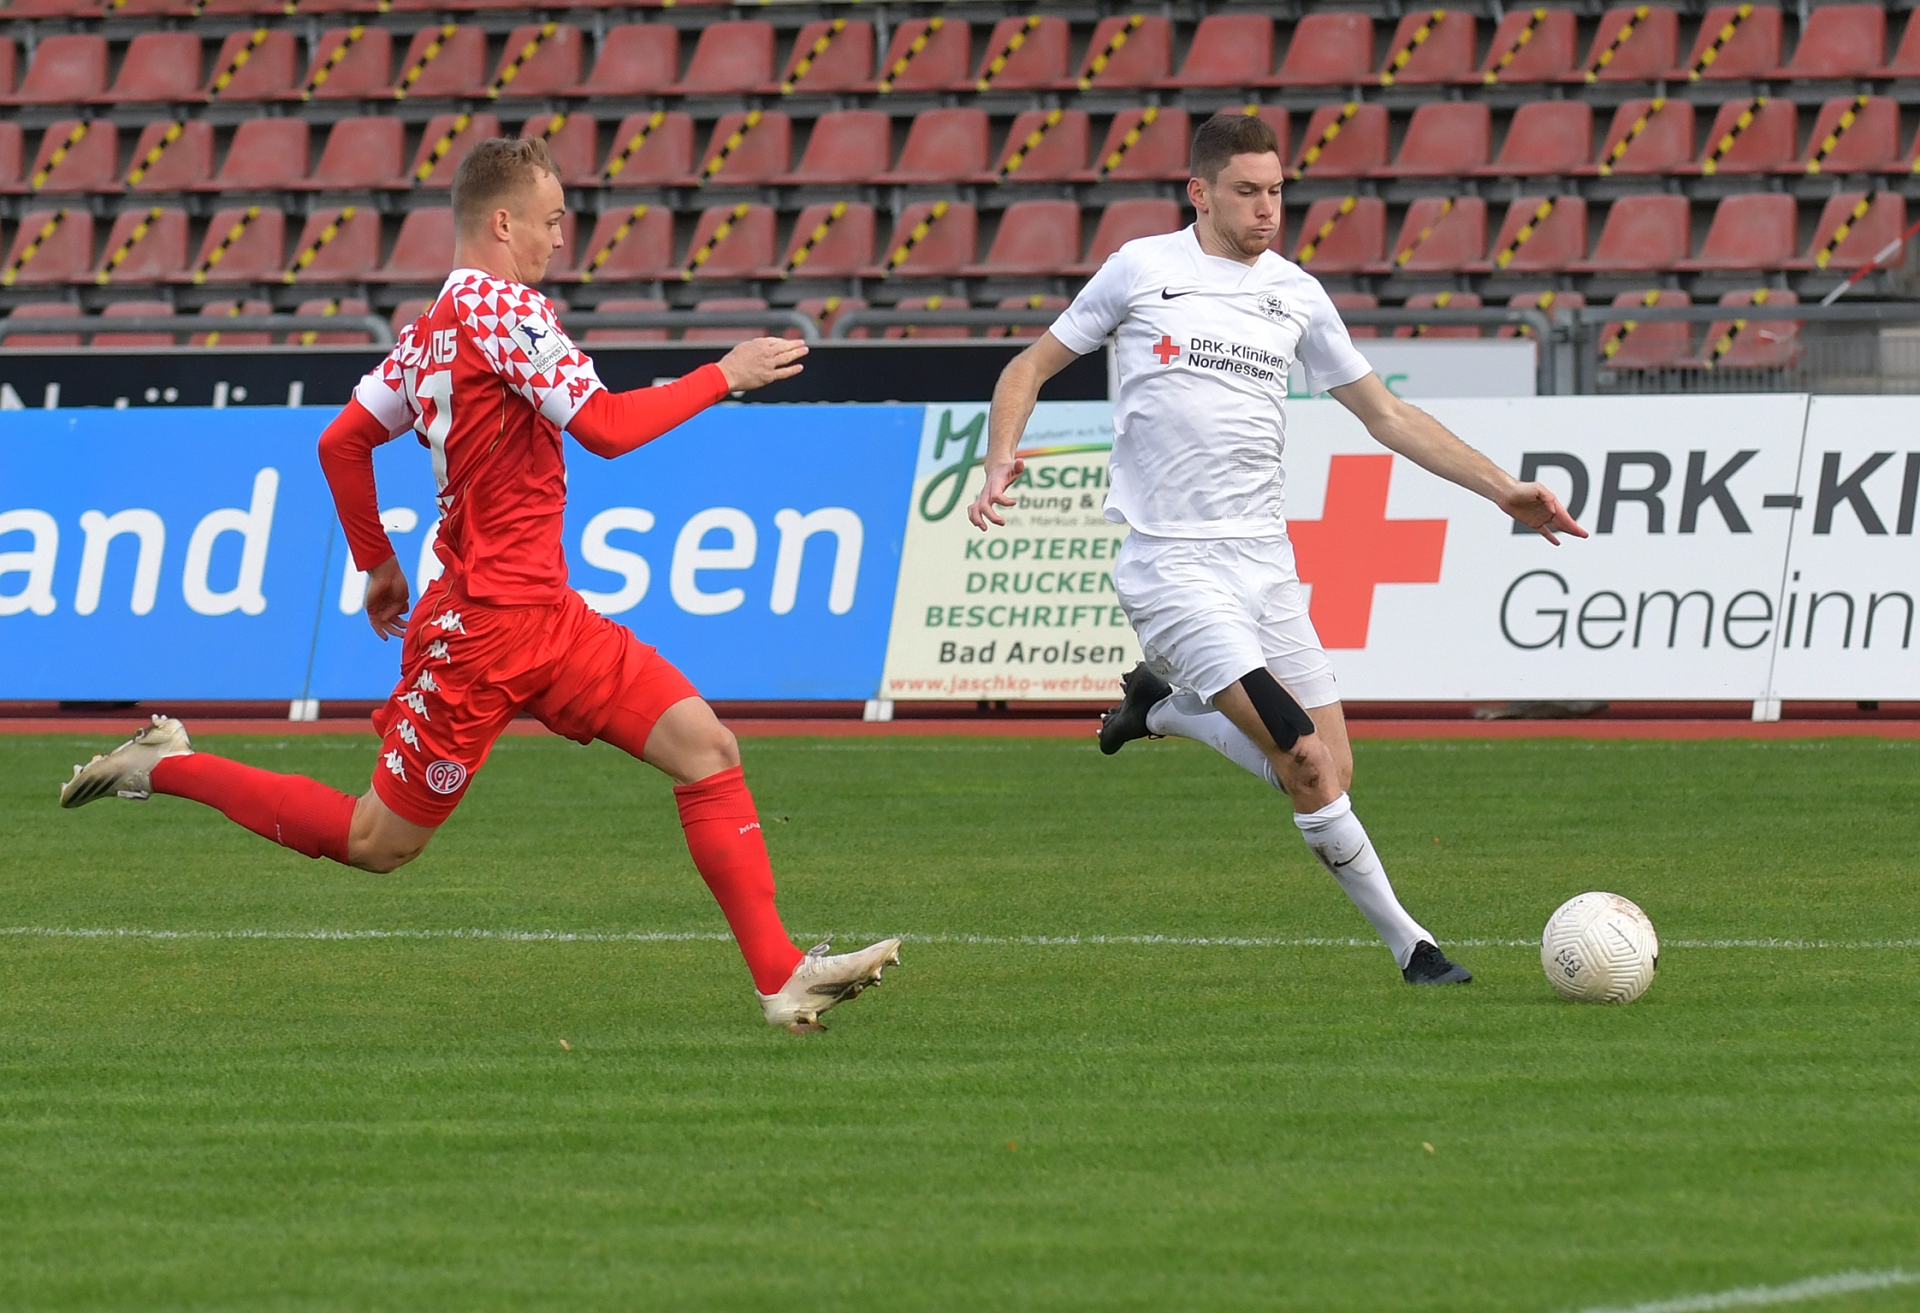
487 380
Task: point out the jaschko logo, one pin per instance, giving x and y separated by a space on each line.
1354 546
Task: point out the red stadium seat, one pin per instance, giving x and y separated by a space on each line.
12 153
1356 301
1647 344
826 311
1867 231
242 245
143 247
266 153
943 145
1644 54
86 161
457 67
1767 143
1663 144
630 243
1158 151
931 330
1126 51
1530 45
731 242
1440 301
739 333
1448 139
948 243
1554 241
1642 232
1744 343
939 64
135 310
730 59
1343 236
1870 143
1358 147
843 63
442 145
1228 50
842 249
360 155
1427 49
42 310
763 152
1023 54
336 246
364 71
408 311
1328 50
1753 230
1839 41
1121 222
170 157
1277 118
1905 62
574 142
1545 301
642 305
9 65
650 150
247 68
1058 154
1546 138
1439 235
230 310
67 69
1731 47
553 66
158 66
847 146
636 59
1035 238
50 246
330 306
422 253
1035 302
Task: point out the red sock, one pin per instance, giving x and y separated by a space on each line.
292 810
723 834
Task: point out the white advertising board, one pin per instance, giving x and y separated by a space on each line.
1445 367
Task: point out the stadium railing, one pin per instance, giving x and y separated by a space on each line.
188 326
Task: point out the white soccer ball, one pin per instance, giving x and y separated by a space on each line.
1599 948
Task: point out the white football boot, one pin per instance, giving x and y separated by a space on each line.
127 771
821 982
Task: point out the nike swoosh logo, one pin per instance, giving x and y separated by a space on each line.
1166 295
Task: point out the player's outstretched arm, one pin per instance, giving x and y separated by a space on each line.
1013 399
346 456
612 424
1405 428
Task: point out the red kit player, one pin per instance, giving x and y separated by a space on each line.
487 381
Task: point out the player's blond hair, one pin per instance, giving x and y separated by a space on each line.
494 170
1225 135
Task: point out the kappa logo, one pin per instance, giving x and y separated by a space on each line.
394 763
542 342
438 649
445 776
418 703
450 622
1272 307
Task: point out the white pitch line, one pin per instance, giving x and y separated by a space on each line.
1841 1283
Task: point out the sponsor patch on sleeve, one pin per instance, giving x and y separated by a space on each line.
541 341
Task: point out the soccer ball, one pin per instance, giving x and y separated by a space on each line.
1599 948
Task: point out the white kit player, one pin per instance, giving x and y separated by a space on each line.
1207 322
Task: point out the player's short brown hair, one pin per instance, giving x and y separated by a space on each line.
491 171
1225 135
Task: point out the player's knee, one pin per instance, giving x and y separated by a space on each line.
384 859
1286 720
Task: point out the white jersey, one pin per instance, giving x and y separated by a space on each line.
1204 346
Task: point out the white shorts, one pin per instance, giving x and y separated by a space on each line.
1207 611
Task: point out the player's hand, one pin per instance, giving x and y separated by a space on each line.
1534 505
1000 477
761 360
387 599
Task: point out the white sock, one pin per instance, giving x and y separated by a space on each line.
1187 716
1340 842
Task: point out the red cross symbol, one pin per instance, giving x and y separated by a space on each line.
1353 546
1165 349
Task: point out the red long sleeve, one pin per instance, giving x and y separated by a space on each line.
346 455
612 424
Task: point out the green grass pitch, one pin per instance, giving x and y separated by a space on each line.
298 1123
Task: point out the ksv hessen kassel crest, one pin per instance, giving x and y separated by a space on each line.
1272 306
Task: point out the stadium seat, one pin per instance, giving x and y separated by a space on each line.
1530 45
265 154
826 311
1121 222
842 64
337 246
67 69
1870 224
943 146
242 245
1142 57
49 246
458 66
247 68
1358 147
337 306
636 59
408 311
1035 238
930 330
1906 60
423 251
1645 54
1642 232
552 68
730 59
1035 302
12 153
630 243
948 243
1870 143
1344 301
1729 46
9 65
181 156
650 150
1440 301
1430 45
1741 343
42 310
1767 143
1023 54
364 71
764 149
1839 41
1647 344
842 250
731 242
1227 50
1347 235
1753 230
1663 145
1548 302
1546 138
574 142
228 310
1439 235
641 305
940 62
1328 50
135 310
1447 139
1277 118
86 160
143 247
739 333
360 155
442 145
158 66
847 146
1059 153
1158 151
1554 241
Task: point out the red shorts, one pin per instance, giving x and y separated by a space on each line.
467 669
